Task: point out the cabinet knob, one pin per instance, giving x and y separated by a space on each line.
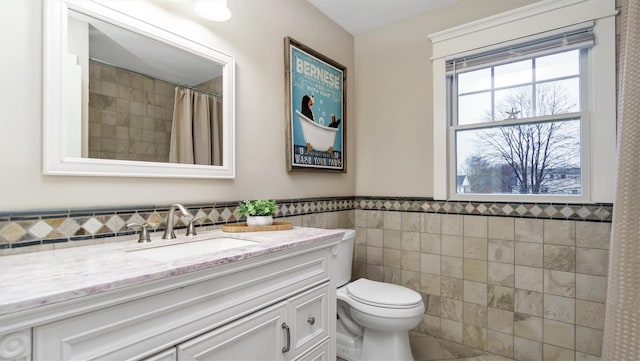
311 320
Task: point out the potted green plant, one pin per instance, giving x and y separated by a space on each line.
259 212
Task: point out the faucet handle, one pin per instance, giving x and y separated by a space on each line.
191 229
144 232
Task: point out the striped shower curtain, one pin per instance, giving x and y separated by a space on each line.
622 322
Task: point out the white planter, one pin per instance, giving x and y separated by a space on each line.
259 220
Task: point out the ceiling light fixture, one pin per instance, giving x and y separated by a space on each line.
214 10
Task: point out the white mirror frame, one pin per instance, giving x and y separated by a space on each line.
54 137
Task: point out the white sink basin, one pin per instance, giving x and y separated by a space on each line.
168 252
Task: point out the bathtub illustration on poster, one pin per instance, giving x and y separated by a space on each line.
319 137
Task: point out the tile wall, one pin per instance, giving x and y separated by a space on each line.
129 115
522 280
526 288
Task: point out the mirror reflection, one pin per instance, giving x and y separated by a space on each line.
140 99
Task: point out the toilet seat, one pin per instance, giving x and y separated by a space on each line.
381 314
384 295
384 300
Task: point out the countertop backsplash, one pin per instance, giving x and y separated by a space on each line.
30 231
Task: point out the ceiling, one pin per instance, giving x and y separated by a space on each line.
126 49
122 48
360 16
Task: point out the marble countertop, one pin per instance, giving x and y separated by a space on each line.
35 279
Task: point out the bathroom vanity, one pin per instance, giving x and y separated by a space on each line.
270 297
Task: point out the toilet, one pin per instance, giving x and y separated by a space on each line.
374 318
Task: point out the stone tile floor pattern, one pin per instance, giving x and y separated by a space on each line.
429 348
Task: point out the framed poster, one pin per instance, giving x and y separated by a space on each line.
315 110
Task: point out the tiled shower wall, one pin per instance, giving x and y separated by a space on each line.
526 288
129 114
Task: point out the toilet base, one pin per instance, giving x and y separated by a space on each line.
387 346
373 346
348 347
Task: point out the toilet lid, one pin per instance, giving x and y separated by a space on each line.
383 294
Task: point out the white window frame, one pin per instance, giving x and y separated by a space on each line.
582 115
528 22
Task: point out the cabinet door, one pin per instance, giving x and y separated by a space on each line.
320 353
309 319
257 337
168 355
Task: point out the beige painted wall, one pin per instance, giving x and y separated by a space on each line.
393 99
254 35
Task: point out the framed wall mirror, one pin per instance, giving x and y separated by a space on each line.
122 97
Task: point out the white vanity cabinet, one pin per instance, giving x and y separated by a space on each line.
244 310
283 331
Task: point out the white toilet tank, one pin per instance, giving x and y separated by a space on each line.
345 257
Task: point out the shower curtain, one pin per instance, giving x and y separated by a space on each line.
622 322
196 133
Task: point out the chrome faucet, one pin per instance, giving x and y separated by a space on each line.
168 232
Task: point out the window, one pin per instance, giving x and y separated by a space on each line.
517 120
524 105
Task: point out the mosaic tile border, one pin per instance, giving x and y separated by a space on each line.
41 227
594 212
34 228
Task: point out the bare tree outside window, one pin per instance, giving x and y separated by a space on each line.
533 158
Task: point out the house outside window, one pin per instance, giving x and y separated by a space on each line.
524 105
